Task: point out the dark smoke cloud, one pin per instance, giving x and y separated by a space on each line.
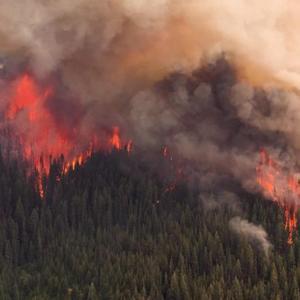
214 122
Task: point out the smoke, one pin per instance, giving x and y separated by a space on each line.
219 201
209 119
158 71
114 41
252 232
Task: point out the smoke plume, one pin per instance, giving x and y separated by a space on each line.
252 232
116 41
220 201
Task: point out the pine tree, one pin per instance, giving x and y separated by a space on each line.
92 293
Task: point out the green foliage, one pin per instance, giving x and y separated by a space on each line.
108 230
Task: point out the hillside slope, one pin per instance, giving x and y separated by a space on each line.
109 230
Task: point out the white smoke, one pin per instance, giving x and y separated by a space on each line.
254 233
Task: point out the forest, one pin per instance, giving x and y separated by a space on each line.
109 229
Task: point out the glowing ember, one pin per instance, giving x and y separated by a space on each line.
281 188
178 171
115 139
165 151
129 146
78 160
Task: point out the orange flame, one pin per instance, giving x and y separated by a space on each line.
27 95
115 139
282 189
40 134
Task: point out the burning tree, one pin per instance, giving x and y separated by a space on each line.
281 188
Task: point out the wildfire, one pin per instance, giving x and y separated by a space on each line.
281 188
42 137
38 133
27 95
115 139
78 160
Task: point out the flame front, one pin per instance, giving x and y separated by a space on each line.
281 188
42 137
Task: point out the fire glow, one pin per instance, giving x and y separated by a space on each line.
281 188
42 137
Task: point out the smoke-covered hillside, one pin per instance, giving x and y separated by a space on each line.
149 149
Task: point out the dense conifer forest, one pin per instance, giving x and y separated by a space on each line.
109 230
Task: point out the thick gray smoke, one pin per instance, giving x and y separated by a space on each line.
218 123
252 232
112 43
151 69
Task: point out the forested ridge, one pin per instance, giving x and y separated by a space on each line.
109 230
